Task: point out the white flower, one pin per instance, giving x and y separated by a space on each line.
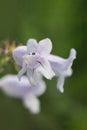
12 87
62 67
34 59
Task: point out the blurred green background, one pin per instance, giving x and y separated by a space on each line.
65 23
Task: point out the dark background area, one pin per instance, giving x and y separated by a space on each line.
65 23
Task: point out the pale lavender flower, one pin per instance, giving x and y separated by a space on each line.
12 87
60 66
34 59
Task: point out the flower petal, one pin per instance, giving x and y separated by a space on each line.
23 90
62 66
18 54
30 76
15 88
11 86
71 58
45 69
45 47
60 84
22 71
32 45
33 77
39 89
32 103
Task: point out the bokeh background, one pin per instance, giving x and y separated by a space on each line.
65 23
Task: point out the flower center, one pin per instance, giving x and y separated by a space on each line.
31 60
